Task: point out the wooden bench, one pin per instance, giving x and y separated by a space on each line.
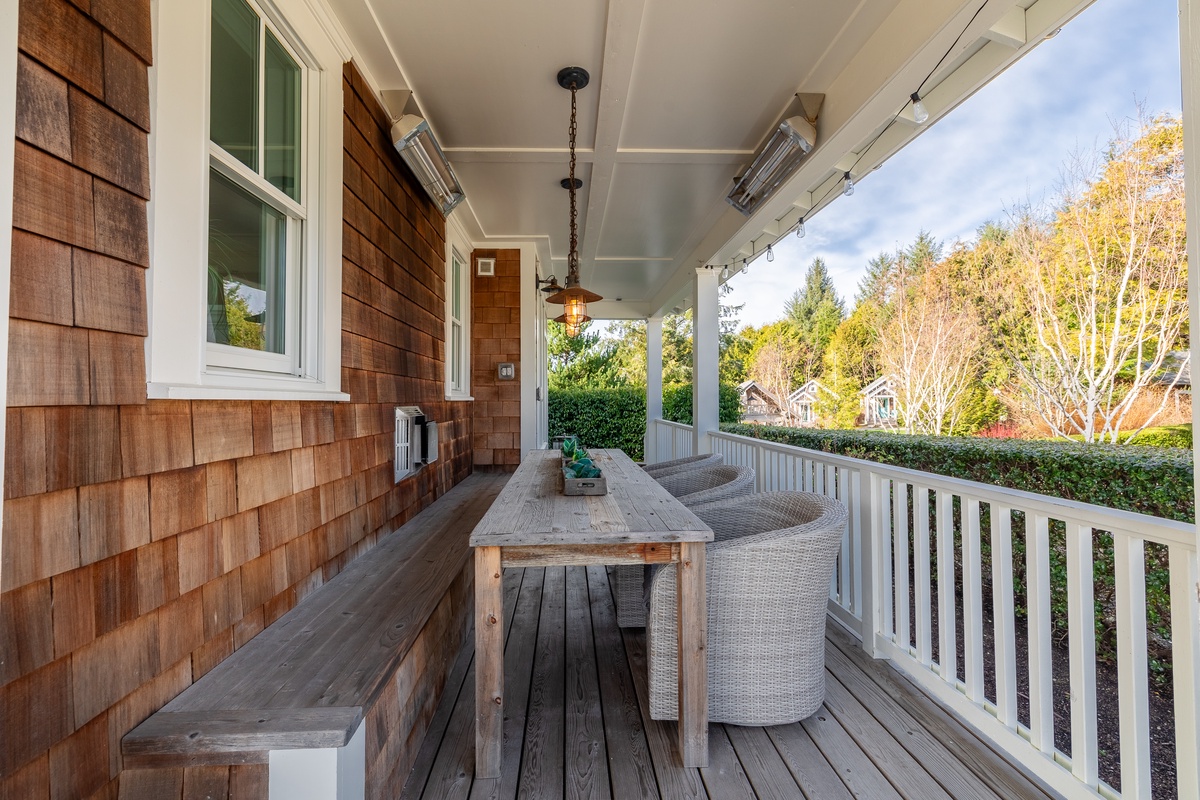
372 645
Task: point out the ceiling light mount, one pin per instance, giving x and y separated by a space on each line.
573 76
566 183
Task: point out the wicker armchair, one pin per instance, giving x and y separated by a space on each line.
683 464
696 487
691 487
768 573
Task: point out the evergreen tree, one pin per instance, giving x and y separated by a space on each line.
815 311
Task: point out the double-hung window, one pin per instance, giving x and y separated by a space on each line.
456 348
246 201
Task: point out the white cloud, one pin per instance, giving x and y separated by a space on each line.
1001 147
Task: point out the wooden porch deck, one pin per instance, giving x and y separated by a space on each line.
578 724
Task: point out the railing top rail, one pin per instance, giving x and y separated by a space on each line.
1143 526
671 424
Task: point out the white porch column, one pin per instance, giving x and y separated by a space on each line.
654 384
705 381
1185 586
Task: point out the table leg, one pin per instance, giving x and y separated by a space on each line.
693 656
489 662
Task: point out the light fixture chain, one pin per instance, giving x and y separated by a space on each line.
573 256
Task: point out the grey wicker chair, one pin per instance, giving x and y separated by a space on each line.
691 487
696 487
683 464
768 573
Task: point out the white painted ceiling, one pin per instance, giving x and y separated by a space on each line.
682 92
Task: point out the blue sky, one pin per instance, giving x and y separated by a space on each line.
1000 148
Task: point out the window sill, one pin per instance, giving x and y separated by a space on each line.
175 391
459 398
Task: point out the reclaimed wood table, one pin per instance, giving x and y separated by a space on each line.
532 524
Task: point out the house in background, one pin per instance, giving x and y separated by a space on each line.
879 404
804 401
760 406
234 309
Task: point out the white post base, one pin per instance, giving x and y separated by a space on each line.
329 773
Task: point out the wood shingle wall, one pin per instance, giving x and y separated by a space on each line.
496 338
144 541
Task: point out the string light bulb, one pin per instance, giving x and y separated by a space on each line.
920 112
770 254
745 268
848 186
800 229
725 273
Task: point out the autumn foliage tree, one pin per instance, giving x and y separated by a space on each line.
1101 285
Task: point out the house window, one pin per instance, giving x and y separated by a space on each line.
457 298
245 213
256 213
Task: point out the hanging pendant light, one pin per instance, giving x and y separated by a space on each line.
573 297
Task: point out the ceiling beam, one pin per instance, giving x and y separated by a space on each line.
620 52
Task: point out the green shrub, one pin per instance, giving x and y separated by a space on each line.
1148 480
677 404
1164 436
601 417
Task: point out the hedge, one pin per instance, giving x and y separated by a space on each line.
617 417
677 404
601 417
1149 480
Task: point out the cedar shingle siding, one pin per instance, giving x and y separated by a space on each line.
144 541
496 338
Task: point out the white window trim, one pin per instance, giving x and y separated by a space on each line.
457 240
177 347
8 127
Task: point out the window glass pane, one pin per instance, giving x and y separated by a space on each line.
456 355
233 94
247 244
282 119
456 281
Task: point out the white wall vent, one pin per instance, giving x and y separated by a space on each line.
485 267
408 444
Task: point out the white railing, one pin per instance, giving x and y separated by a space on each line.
890 588
671 440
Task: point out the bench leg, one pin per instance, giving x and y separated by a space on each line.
692 626
489 662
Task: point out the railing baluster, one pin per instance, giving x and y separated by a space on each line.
1081 634
947 623
921 563
846 564
883 534
1003 615
1129 567
1041 684
900 573
972 560
1185 657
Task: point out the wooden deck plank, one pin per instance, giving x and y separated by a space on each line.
905 773
418 775
724 777
861 776
873 738
808 766
932 755
542 761
586 769
673 781
1006 778
762 763
631 773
